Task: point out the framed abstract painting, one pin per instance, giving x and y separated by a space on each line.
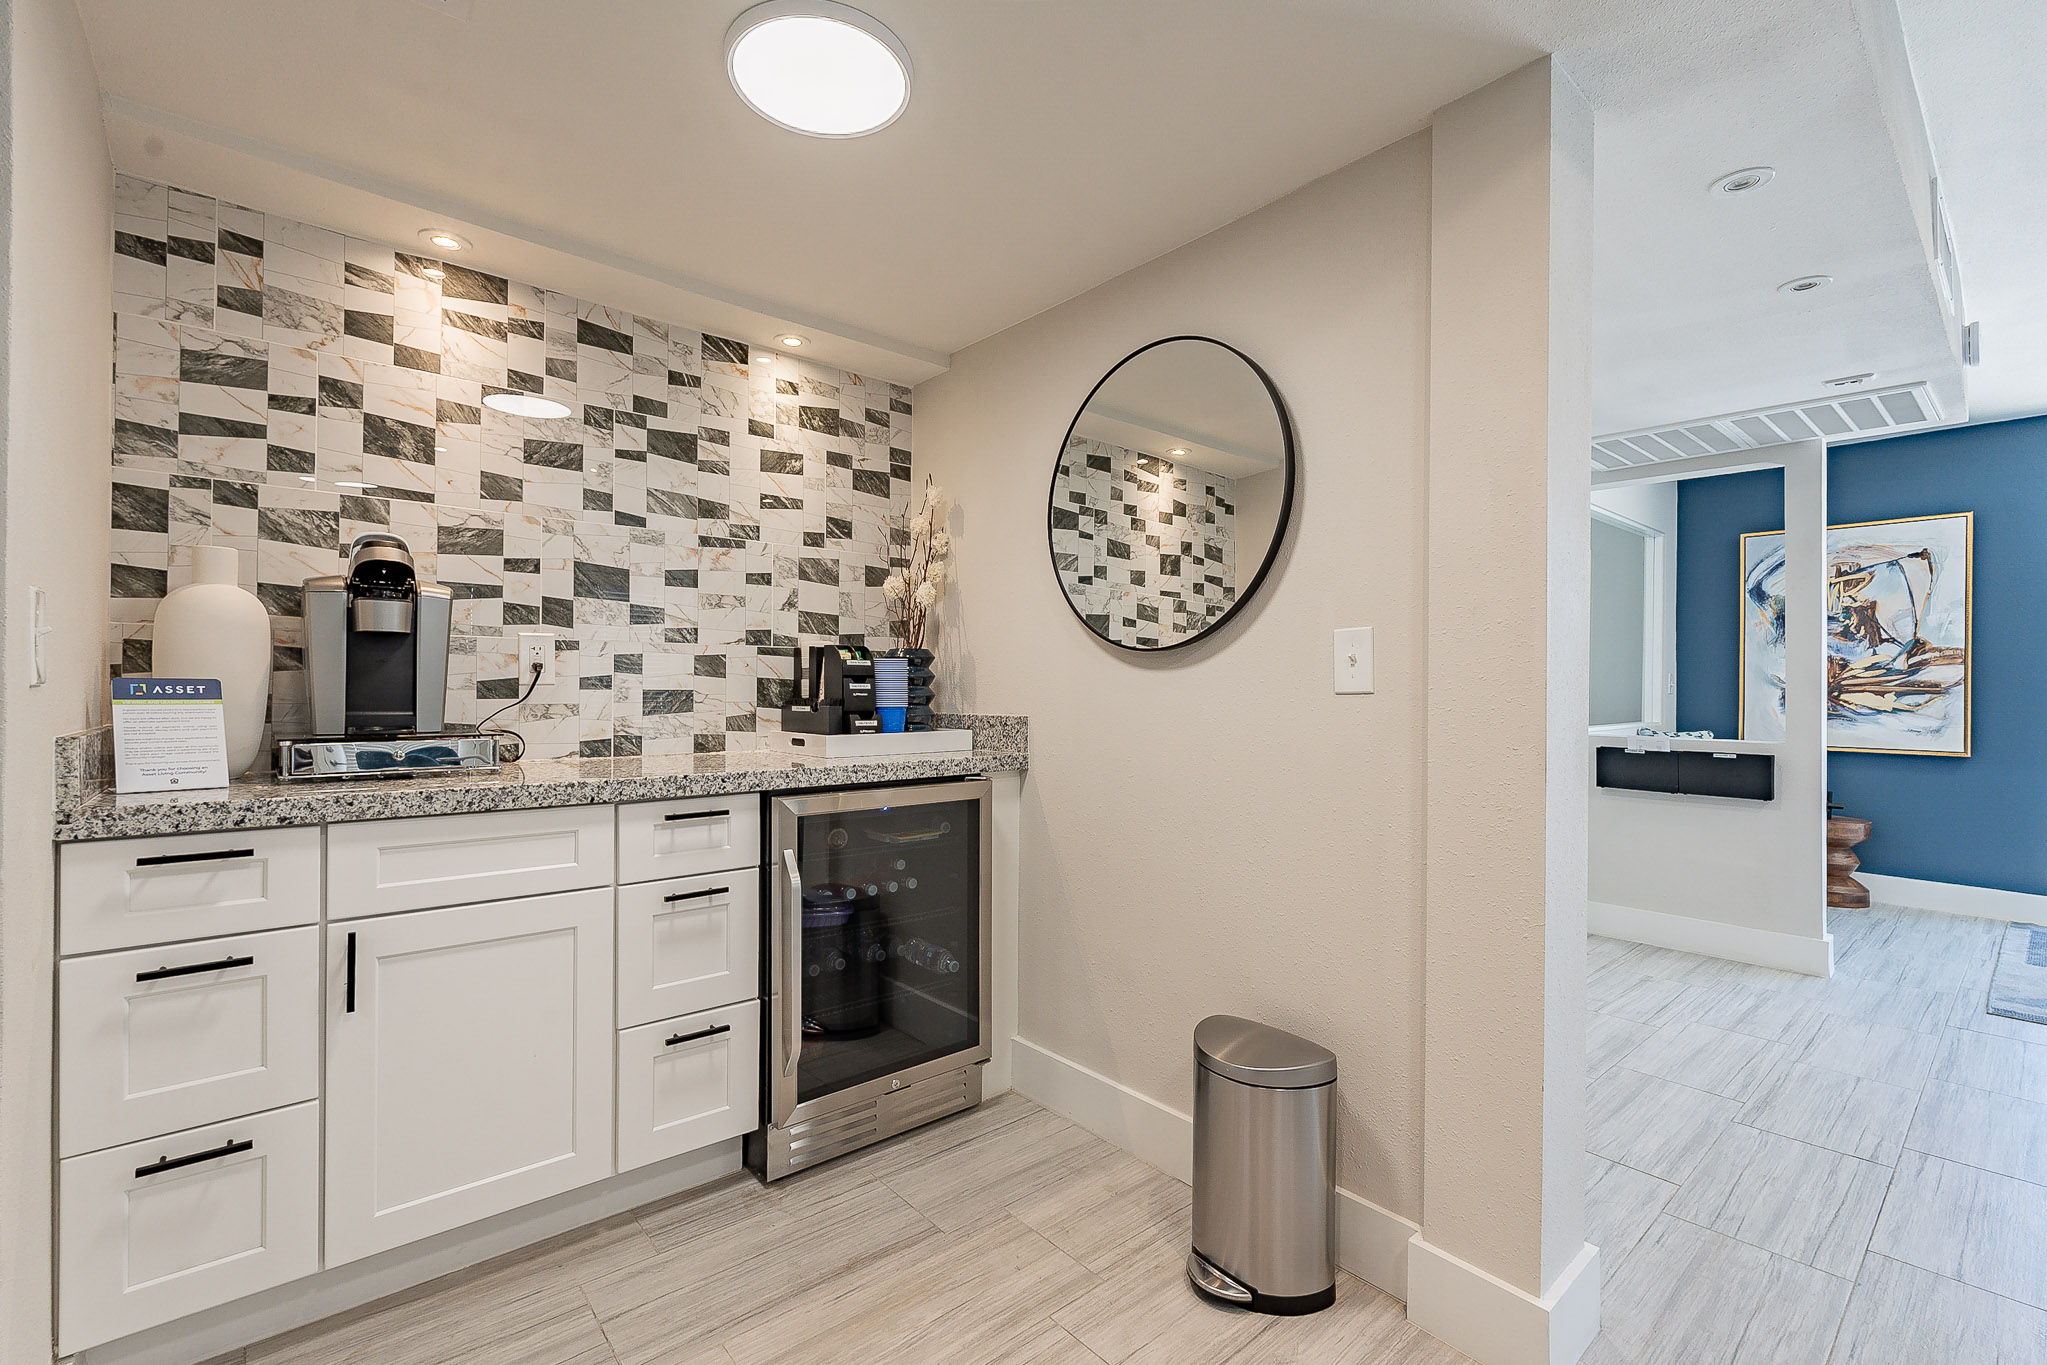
1898 621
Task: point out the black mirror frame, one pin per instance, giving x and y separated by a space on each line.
1279 529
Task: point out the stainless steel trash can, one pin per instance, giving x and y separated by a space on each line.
1264 1167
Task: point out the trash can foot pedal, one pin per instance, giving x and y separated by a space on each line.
1213 1282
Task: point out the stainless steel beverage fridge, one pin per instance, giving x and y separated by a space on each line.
877 985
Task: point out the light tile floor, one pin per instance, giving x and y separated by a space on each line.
1789 1171
1784 1171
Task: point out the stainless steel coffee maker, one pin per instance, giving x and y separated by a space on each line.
377 672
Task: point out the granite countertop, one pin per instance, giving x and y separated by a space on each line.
86 810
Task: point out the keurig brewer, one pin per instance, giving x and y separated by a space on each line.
835 695
377 672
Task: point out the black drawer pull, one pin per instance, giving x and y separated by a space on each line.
696 895
221 965
696 815
159 859
349 1008
710 1032
172 1163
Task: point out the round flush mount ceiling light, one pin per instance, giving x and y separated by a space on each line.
1805 284
792 341
444 239
817 67
525 405
1742 181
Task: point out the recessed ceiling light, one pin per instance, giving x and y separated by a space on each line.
1176 450
1742 181
816 67
1850 381
444 239
526 405
792 341
1805 284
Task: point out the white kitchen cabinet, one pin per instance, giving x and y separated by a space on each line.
686 1083
687 944
469 1064
158 1229
378 866
123 893
158 1039
683 838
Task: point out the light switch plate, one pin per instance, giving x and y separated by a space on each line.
1354 660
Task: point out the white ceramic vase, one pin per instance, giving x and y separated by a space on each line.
215 628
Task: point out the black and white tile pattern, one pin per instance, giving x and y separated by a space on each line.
1145 549
706 508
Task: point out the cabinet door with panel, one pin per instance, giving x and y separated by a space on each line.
469 1064
687 944
686 1083
378 866
158 1039
123 893
682 838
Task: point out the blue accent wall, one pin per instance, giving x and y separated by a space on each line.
1981 820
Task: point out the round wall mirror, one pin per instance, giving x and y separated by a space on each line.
1171 494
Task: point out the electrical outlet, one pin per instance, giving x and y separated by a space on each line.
535 647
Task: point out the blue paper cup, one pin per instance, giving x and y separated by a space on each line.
892 718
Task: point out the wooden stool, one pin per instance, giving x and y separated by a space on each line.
1843 891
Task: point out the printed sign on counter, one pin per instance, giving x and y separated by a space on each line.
170 734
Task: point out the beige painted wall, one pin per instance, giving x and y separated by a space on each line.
53 487
1212 829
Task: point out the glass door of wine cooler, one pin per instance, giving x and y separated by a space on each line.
879 954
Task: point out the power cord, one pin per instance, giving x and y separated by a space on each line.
518 745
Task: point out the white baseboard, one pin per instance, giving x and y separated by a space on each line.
1735 942
218 1331
1492 1321
1953 898
1371 1242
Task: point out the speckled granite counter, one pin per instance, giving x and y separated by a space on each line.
1000 745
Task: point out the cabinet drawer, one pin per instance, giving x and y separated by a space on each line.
157 1039
687 1083
128 892
681 838
378 866
159 1229
687 944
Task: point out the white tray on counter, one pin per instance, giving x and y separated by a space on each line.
873 746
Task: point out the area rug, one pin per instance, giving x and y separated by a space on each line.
2018 988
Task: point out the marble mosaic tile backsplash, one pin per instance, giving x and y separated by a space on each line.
1147 549
706 508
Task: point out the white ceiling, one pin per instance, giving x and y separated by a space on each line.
1978 63
1050 145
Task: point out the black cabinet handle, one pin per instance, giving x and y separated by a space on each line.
159 859
695 895
710 1032
696 815
172 1163
349 991
220 965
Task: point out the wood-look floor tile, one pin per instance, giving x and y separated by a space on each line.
1609 1039
1644 999
1732 1065
707 1286
1877 1052
1015 1163
1147 1311
1689 1296
1787 1015
1620 1204
1801 1201
1109 1209
1902 1315
1654 1125
1363 1327
1832 1109
2000 1133
968 1297
1985 1061
1968 1224
1969 1011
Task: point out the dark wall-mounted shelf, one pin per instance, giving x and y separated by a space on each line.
1687 772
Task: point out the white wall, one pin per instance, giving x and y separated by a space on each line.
1738 879
1212 830
53 485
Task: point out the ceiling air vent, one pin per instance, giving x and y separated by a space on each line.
1851 417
